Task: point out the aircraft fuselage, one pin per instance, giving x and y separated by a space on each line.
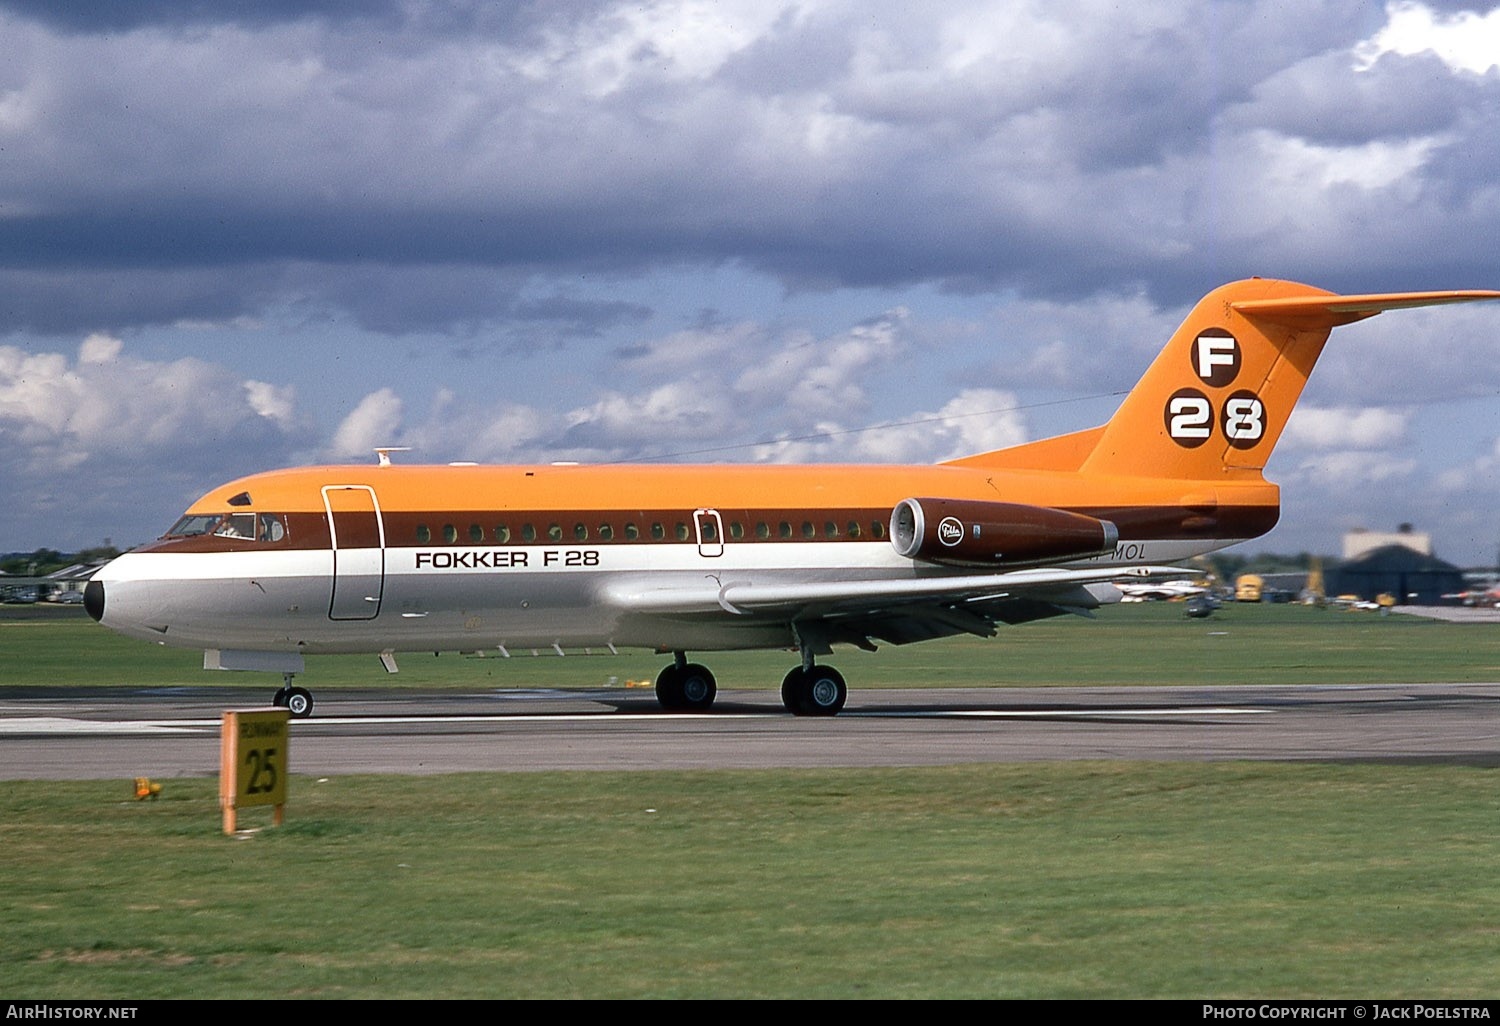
394 558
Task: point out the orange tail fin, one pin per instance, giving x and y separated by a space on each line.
1214 402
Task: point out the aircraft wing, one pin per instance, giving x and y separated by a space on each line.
895 611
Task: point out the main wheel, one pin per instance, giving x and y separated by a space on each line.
826 692
791 690
669 688
820 691
697 687
689 687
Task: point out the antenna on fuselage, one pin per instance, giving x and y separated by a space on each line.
384 452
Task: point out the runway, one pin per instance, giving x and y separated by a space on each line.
123 733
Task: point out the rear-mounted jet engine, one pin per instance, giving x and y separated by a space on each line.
957 532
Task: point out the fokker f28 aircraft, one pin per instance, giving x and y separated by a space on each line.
389 558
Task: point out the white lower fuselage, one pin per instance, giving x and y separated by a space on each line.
468 598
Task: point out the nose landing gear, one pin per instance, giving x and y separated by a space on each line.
295 700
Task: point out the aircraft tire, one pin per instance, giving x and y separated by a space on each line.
688 688
789 690
697 687
820 691
299 702
669 689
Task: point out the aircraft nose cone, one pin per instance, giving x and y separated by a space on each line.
93 599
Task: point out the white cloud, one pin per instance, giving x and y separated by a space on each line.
110 405
1296 163
1346 427
99 348
272 402
376 421
1355 470
976 420
1466 41
818 375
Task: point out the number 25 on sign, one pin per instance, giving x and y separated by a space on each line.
252 762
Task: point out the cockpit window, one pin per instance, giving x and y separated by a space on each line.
271 528
194 524
237 525
264 527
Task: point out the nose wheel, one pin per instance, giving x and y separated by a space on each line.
295 700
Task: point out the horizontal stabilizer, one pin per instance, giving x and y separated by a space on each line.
1329 311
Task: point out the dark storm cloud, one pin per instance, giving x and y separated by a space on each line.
462 300
1398 97
103 16
1056 152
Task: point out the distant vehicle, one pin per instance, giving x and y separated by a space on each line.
1164 591
1201 606
1477 596
1247 588
67 598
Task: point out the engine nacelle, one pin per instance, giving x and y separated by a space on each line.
966 532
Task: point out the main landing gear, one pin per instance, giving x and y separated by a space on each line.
685 686
807 690
295 700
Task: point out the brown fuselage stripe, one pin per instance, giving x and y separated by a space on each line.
658 527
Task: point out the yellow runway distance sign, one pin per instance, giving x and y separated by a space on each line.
253 761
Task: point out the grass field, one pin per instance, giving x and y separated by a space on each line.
1105 880
1070 880
1150 643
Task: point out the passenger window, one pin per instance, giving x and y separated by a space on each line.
808 531
528 533
658 532
606 533
450 533
877 529
424 534
476 533
682 531
784 529
736 530
853 529
554 532
709 534
632 532
762 530
502 533
580 532
830 529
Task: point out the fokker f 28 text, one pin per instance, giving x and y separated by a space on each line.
389 558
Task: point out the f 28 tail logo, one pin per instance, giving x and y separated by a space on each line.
1216 357
1189 413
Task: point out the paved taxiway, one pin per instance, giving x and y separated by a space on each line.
167 733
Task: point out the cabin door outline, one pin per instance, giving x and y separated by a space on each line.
356 533
709 528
